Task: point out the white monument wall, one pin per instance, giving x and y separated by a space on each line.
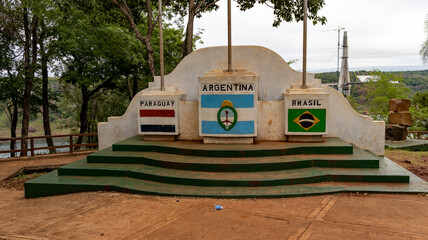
275 77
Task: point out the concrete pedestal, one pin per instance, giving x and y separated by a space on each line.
306 112
158 113
228 106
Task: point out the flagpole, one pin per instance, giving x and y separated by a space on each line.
305 39
229 36
161 47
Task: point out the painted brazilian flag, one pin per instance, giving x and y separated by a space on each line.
306 120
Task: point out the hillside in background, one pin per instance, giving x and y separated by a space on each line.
417 81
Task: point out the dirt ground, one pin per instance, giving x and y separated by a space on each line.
123 216
415 162
107 215
17 182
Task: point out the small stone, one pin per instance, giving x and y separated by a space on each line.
398 105
401 118
395 132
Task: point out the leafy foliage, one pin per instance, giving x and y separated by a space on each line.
424 48
420 99
100 57
419 110
372 98
417 81
288 10
386 86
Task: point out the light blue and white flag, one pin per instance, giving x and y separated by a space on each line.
230 114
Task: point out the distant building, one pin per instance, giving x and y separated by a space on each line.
367 78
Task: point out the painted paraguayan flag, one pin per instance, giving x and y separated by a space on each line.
158 116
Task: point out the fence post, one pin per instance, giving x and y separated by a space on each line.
32 146
71 143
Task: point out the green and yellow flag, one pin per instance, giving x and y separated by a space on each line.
306 120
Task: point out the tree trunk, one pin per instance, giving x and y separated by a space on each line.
128 84
123 6
134 86
14 123
188 40
45 97
83 113
29 68
150 57
93 121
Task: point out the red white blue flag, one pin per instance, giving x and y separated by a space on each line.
158 117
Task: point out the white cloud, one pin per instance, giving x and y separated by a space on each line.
381 33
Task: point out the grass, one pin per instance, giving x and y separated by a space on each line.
17 181
24 176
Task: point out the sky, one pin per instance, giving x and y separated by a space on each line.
382 34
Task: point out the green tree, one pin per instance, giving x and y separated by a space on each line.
47 36
10 102
18 64
193 9
19 30
142 20
11 60
94 57
288 10
382 88
424 48
420 99
419 110
101 58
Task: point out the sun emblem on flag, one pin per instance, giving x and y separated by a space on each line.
227 115
307 120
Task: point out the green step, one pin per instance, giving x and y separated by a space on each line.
360 159
329 146
267 169
52 184
244 179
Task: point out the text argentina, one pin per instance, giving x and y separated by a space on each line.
227 87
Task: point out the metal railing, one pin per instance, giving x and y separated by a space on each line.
419 134
71 146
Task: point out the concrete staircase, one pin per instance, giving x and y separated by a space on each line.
268 169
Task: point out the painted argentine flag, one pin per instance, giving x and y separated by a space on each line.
227 114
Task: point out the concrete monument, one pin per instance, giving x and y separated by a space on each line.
260 101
